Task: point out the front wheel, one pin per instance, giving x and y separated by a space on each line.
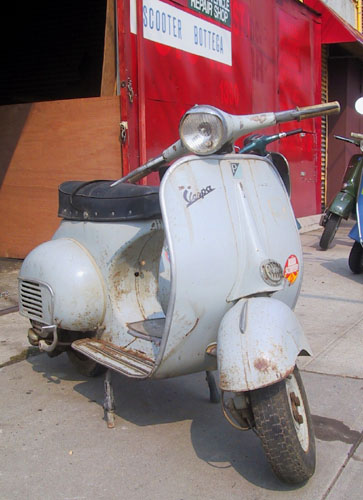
330 230
283 423
356 258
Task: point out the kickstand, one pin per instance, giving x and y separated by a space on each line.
214 396
109 402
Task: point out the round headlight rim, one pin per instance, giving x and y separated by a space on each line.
205 110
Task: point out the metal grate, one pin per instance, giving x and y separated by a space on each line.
36 301
31 299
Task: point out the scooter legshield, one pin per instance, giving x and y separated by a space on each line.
259 340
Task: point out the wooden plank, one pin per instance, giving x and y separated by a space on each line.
108 84
60 140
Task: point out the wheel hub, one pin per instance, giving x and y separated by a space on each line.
295 402
297 409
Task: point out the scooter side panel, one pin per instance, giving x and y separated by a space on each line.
76 294
259 340
127 255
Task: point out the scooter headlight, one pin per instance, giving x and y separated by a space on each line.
202 130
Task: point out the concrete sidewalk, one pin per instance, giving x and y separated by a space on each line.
170 442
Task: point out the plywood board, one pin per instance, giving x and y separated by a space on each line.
53 142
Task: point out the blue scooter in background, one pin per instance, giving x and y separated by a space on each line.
356 254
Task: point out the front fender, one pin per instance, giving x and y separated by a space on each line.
343 204
259 340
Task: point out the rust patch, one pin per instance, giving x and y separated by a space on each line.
193 328
138 354
286 374
227 376
106 336
264 365
105 345
223 380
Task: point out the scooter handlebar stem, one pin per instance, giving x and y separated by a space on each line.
168 155
142 171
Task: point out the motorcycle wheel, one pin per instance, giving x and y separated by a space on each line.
356 258
85 366
283 423
330 230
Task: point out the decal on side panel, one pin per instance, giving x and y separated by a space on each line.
236 170
191 196
291 269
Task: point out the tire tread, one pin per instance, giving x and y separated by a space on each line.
278 436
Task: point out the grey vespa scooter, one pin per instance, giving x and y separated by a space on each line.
235 266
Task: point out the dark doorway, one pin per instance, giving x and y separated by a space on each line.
53 50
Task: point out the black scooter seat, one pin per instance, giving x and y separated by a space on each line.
98 201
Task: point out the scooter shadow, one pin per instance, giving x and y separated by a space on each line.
156 402
337 266
340 267
337 242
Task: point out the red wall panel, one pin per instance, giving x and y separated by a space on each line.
275 64
299 83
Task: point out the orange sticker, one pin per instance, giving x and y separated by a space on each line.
291 269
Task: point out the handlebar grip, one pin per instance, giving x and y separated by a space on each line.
292 132
328 108
346 139
356 135
307 112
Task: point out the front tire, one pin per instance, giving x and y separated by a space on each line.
356 258
330 230
85 366
283 423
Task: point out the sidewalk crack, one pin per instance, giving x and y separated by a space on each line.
339 473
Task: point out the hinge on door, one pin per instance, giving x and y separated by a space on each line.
129 88
123 131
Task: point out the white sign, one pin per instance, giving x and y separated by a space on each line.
165 24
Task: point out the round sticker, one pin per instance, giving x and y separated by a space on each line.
291 269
